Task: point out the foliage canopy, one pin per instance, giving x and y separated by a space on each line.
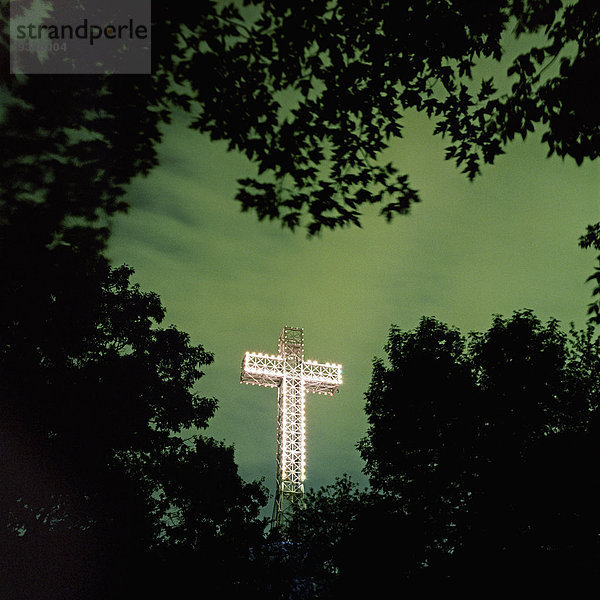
313 93
480 454
99 487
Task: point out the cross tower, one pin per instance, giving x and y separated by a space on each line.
293 376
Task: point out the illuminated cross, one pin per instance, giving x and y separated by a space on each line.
293 376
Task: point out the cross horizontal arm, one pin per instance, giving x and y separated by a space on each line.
262 369
321 378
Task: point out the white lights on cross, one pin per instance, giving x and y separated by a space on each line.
293 376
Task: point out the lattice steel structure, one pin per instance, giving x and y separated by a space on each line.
293 376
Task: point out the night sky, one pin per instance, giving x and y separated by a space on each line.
504 242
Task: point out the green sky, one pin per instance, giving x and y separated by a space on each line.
470 250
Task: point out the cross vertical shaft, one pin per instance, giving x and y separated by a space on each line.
291 430
293 376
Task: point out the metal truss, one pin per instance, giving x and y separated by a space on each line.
293 376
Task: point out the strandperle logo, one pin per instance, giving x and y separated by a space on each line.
84 31
84 37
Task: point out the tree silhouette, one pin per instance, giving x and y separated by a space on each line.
480 455
313 94
468 439
101 495
591 239
92 396
99 488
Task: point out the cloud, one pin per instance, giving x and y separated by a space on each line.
469 250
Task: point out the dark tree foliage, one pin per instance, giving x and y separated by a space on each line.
92 395
350 543
318 531
70 144
480 452
100 494
313 93
467 437
591 239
